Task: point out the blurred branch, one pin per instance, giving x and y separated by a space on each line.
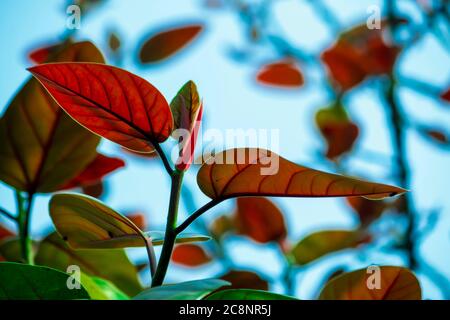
8 215
326 15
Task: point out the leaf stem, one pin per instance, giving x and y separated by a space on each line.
23 222
197 214
164 159
151 255
171 234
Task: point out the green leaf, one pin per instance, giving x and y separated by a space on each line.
318 244
191 290
26 282
109 264
10 249
101 289
247 294
185 106
87 223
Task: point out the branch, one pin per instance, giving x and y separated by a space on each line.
163 157
197 214
8 215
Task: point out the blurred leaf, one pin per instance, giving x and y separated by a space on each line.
43 54
246 294
437 136
164 44
258 172
446 95
358 53
396 283
10 249
101 289
138 218
95 190
109 264
95 171
190 255
281 74
220 226
114 42
111 102
41 148
5 233
241 279
337 129
367 210
318 244
259 219
191 290
27 282
87 223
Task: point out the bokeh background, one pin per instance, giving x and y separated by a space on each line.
223 62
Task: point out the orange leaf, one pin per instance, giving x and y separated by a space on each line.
138 218
166 43
396 283
241 279
95 171
259 219
258 172
282 74
190 255
109 101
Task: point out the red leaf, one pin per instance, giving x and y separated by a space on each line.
166 43
446 95
95 171
367 210
259 219
241 279
138 218
190 255
42 55
187 153
5 233
109 101
283 74
94 190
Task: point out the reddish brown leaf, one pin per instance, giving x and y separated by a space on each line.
94 190
367 210
109 101
446 95
437 136
337 129
241 279
166 43
395 283
40 146
42 55
5 233
220 226
138 218
190 255
282 74
259 219
258 172
95 171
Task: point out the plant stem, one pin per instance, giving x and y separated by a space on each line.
163 157
23 222
151 255
171 234
197 214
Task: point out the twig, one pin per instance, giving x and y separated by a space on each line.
8 215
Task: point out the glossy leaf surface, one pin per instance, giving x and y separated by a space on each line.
224 178
191 290
26 282
396 283
101 289
110 102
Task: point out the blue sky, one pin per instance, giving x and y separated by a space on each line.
228 90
